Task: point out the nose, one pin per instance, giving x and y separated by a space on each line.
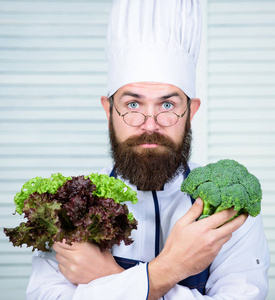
150 125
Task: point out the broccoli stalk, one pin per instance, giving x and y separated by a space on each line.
223 185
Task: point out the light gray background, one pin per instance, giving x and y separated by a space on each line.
53 72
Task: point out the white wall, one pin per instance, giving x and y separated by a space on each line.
53 72
236 81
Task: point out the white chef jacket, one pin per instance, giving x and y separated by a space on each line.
238 272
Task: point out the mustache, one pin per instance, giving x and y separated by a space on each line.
145 138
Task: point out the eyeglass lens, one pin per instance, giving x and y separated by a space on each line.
163 119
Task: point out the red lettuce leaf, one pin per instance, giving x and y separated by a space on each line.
42 215
32 236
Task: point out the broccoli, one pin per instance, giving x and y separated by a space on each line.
223 185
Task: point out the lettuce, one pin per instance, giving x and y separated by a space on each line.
40 185
77 209
109 187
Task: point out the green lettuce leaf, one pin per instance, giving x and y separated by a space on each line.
40 185
109 187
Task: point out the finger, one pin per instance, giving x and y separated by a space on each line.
65 245
64 251
56 246
233 225
62 268
218 219
61 259
66 273
61 253
193 213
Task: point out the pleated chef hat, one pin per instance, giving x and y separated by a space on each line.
153 41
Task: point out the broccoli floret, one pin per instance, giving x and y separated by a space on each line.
197 177
223 185
208 190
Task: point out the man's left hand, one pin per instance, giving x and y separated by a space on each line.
81 263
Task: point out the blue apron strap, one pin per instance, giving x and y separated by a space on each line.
185 174
126 263
113 173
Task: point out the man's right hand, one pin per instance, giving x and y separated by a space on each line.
83 262
191 247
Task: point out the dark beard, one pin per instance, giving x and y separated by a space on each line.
149 169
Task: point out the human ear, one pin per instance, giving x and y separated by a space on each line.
194 106
106 105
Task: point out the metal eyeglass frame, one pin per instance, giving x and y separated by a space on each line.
111 99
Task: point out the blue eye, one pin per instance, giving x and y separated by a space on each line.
167 105
133 105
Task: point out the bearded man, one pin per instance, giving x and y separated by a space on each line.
150 103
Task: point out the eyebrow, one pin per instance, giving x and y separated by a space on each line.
135 95
139 96
170 96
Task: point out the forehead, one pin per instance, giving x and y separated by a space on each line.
151 90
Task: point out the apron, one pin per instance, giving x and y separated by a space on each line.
193 282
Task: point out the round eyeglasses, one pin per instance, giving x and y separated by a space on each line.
165 118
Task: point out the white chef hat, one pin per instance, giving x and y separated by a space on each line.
153 41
